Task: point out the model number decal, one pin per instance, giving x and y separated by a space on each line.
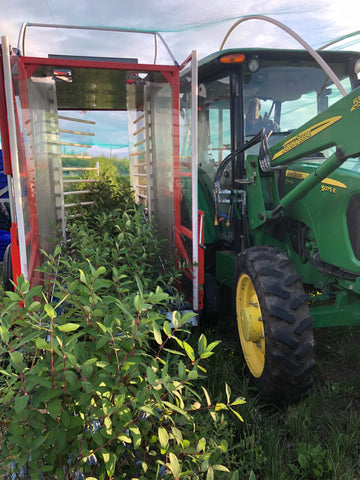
327 188
356 103
327 185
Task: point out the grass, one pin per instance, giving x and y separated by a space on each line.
318 437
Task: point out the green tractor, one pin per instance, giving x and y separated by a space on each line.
281 202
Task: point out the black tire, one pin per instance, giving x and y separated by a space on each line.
210 312
7 270
279 359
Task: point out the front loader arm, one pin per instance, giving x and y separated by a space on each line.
338 126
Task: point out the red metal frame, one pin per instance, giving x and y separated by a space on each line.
5 145
28 66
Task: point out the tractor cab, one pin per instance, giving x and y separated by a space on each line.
242 92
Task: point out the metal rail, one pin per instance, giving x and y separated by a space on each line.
25 25
339 39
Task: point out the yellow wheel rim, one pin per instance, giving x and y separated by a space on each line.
250 325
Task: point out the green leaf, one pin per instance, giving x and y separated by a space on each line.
54 408
175 352
148 410
82 276
99 271
176 409
207 396
65 419
212 345
49 311
14 296
37 443
139 285
16 357
136 436
4 372
157 333
138 303
68 327
167 328
124 438
177 434
193 375
41 344
237 414
228 392
151 377
238 401
163 437
20 403
181 371
210 474
201 445
34 306
174 464
220 468
224 445
202 343
190 351
176 319
4 333
206 355
87 370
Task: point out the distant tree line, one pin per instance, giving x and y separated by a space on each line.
110 166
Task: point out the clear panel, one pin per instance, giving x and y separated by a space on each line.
186 156
150 120
190 237
40 176
163 160
46 160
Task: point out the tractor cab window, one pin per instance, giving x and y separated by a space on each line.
282 96
214 124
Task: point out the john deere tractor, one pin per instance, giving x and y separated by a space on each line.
279 183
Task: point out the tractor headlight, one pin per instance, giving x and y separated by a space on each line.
254 64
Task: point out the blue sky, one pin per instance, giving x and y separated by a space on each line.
185 25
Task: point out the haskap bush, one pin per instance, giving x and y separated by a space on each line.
96 382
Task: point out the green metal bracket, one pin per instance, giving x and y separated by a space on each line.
256 206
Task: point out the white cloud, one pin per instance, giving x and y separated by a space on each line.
185 25
317 23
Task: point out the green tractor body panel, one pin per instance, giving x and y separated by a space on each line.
328 210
